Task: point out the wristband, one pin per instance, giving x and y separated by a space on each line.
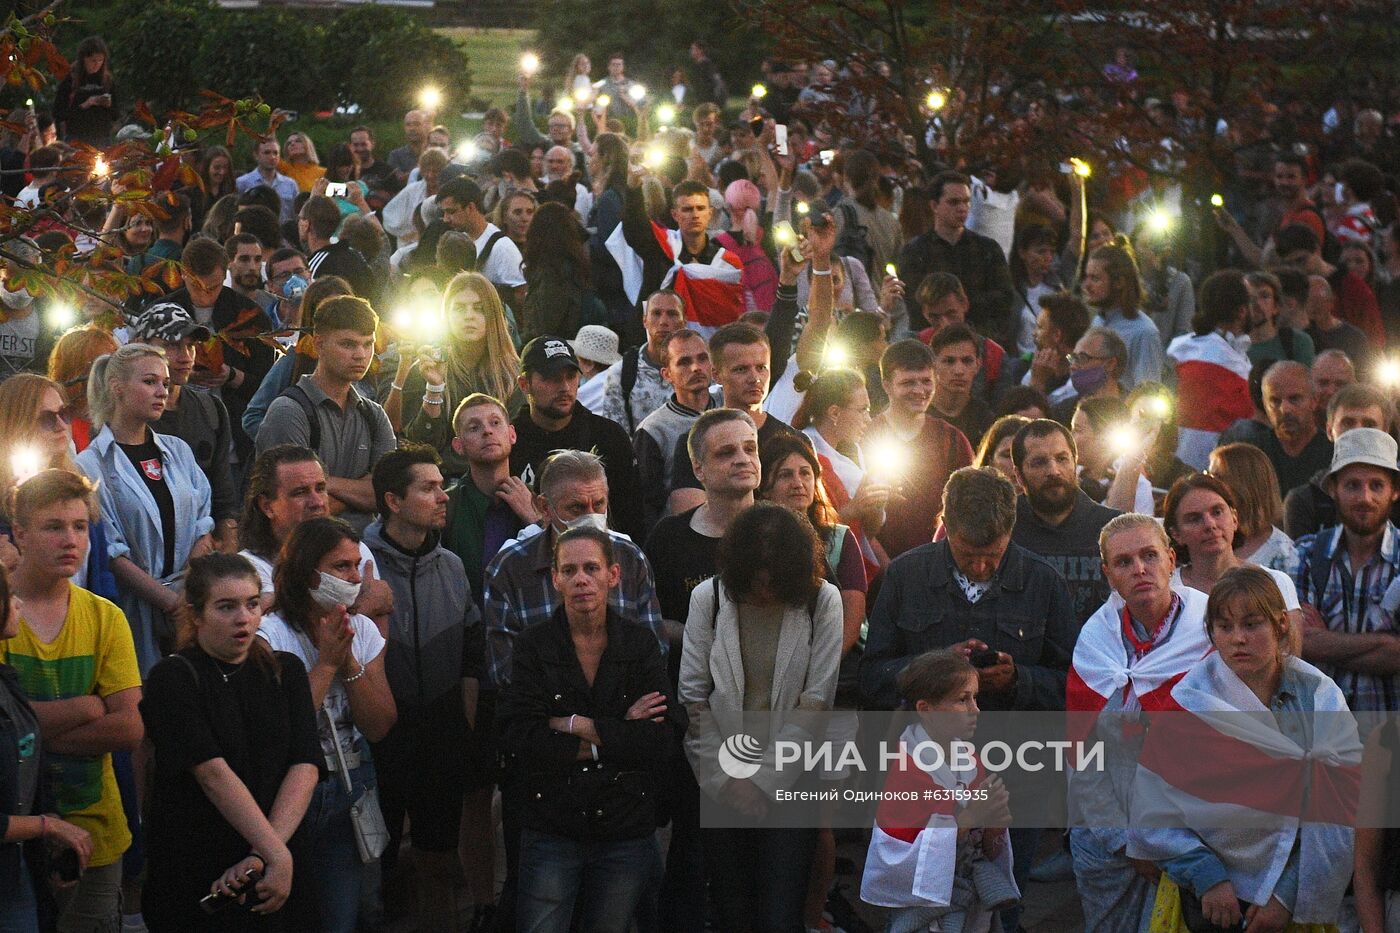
571 723
395 387
821 272
432 400
435 389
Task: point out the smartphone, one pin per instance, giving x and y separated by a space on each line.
826 155
214 902
780 137
65 865
336 189
290 116
984 657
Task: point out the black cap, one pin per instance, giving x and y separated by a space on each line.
548 356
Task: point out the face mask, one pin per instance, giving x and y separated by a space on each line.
334 591
294 287
16 299
589 520
1089 380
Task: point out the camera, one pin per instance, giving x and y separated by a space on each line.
336 189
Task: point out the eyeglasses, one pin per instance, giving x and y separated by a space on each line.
54 420
1083 358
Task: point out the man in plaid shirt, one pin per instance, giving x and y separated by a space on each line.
1346 570
519 591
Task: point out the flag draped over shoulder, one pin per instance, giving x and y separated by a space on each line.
1218 770
713 292
1212 390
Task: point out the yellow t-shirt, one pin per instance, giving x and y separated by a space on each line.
303 173
92 655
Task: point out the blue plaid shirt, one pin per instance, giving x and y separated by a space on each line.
519 592
1351 603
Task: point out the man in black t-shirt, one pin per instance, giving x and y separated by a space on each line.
317 223
554 420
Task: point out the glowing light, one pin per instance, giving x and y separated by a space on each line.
603 101
25 462
759 92
468 151
1388 372
655 156
637 92
29 102
581 94
1081 168
666 113
784 235
803 208
835 356
891 270
418 322
936 99
62 316
1160 220
564 104
529 63
1217 200
887 459
1125 440
100 167
430 97
1159 407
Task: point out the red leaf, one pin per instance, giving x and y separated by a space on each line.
143 113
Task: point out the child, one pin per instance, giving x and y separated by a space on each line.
932 861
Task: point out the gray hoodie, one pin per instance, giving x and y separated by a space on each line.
436 636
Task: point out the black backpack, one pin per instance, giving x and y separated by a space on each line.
313 425
854 240
505 291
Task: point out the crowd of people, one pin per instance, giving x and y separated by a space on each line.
486 487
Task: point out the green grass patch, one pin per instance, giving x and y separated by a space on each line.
494 58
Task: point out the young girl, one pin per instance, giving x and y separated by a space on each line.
970 878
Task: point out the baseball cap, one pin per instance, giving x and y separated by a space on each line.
1368 446
166 321
547 356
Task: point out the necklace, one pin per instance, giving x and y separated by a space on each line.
227 674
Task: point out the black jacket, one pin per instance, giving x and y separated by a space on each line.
35 850
1026 613
980 266
614 797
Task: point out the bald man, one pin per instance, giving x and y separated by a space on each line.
1294 445
1329 332
1332 370
416 126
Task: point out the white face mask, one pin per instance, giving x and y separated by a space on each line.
334 591
593 520
16 300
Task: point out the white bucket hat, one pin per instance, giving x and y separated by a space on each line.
1369 446
595 342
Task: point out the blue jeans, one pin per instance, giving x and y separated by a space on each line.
20 913
606 879
329 873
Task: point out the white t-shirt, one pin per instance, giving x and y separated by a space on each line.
1286 588
365 647
265 568
503 265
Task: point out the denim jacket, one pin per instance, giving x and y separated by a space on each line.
133 522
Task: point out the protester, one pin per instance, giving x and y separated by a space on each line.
1112 287
930 448
1310 506
24 825
1275 877
326 412
236 758
70 361
687 368
1294 445
434 666
1251 478
1129 655
633 387
1346 629
995 449
770 604
476 356
85 103
1111 476
957 358
155 499
78 668
1212 371
343 655
590 751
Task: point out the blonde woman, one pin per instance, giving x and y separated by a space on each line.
34 436
476 356
155 499
299 161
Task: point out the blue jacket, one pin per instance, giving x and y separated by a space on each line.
133 522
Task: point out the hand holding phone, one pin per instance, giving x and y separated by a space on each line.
336 189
